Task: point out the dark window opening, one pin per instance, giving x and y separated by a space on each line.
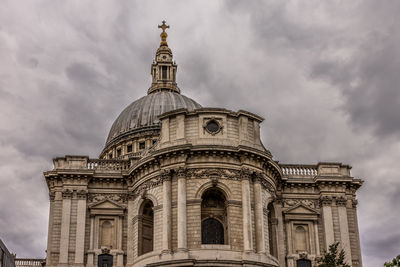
153 142
129 148
164 72
142 145
105 260
118 152
213 216
303 263
110 156
146 228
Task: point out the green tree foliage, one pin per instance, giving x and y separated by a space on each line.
394 263
333 258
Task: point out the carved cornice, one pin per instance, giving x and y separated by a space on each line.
67 193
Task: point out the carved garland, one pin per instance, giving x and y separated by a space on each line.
96 197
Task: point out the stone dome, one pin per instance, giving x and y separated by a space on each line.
143 113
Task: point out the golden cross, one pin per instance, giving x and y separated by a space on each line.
163 26
163 35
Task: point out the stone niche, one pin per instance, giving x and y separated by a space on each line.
106 222
302 232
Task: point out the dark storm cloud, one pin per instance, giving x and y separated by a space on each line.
322 74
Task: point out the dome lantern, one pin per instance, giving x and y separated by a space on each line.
163 69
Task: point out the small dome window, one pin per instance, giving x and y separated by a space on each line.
213 126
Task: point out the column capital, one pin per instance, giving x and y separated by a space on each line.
81 194
354 203
181 172
325 200
341 201
245 174
52 196
165 175
67 194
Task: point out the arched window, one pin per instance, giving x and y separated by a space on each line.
146 228
303 263
213 217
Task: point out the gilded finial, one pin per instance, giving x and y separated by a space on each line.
163 35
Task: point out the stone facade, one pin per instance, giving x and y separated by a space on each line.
205 192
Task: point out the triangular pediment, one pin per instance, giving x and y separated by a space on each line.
106 204
301 209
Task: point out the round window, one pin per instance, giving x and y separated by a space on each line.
213 127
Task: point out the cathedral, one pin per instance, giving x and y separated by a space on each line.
177 184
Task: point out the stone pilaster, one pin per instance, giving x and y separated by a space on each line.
259 215
65 226
246 209
326 202
280 232
80 228
344 228
131 230
90 255
167 229
52 196
182 235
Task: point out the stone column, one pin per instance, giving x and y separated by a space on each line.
246 209
80 228
344 228
166 242
182 236
52 196
259 215
65 225
326 202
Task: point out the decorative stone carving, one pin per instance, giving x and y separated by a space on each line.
341 201
245 173
52 196
96 197
207 173
306 202
181 172
165 174
105 251
326 200
67 193
354 203
148 185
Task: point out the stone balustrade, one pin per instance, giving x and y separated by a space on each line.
300 170
108 165
29 262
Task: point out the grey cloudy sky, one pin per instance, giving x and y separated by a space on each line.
323 74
